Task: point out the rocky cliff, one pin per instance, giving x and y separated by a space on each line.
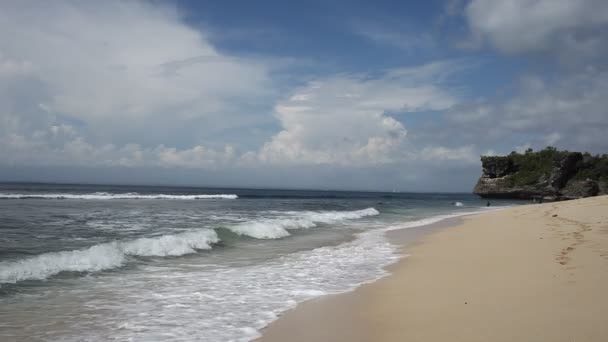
548 174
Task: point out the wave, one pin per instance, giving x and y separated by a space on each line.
105 256
115 254
438 218
110 196
279 227
458 204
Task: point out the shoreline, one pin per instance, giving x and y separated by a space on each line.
534 272
402 238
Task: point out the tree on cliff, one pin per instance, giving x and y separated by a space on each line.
545 173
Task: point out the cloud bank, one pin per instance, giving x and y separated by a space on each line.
572 30
346 119
563 103
113 82
130 85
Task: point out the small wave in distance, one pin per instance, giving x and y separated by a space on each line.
111 196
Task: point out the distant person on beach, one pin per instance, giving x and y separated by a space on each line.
488 204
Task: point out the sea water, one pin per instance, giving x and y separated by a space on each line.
135 263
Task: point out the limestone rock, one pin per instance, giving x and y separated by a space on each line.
548 174
580 188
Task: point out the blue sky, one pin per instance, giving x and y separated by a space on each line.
348 36
366 95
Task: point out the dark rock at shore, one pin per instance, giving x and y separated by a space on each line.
580 188
563 169
544 175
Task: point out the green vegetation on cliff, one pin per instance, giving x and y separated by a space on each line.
529 167
593 167
545 173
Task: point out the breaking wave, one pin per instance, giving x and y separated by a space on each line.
279 227
105 256
109 196
115 254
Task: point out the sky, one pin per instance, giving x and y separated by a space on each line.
361 95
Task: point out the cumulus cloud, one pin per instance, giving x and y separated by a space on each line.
117 73
350 119
569 112
573 30
61 145
564 104
129 84
467 154
117 59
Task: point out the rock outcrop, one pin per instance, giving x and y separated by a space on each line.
548 174
580 188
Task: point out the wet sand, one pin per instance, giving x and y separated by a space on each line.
530 273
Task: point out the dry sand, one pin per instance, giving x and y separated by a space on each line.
530 273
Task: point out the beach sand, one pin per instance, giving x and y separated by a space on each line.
529 273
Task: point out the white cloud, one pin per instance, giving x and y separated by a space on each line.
347 120
63 145
569 112
552 138
564 103
570 29
408 42
489 152
440 153
129 84
76 76
124 71
9 67
195 157
523 148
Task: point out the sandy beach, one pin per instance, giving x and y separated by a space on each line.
529 273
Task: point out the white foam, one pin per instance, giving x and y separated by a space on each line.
279 227
427 221
228 303
458 204
104 256
172 245
308 293
112 255
222 303
439 218
110 196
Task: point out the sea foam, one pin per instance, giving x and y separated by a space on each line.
276 228
114 254
105 256
110 196
224 303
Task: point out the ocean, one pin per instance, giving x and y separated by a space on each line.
150 263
